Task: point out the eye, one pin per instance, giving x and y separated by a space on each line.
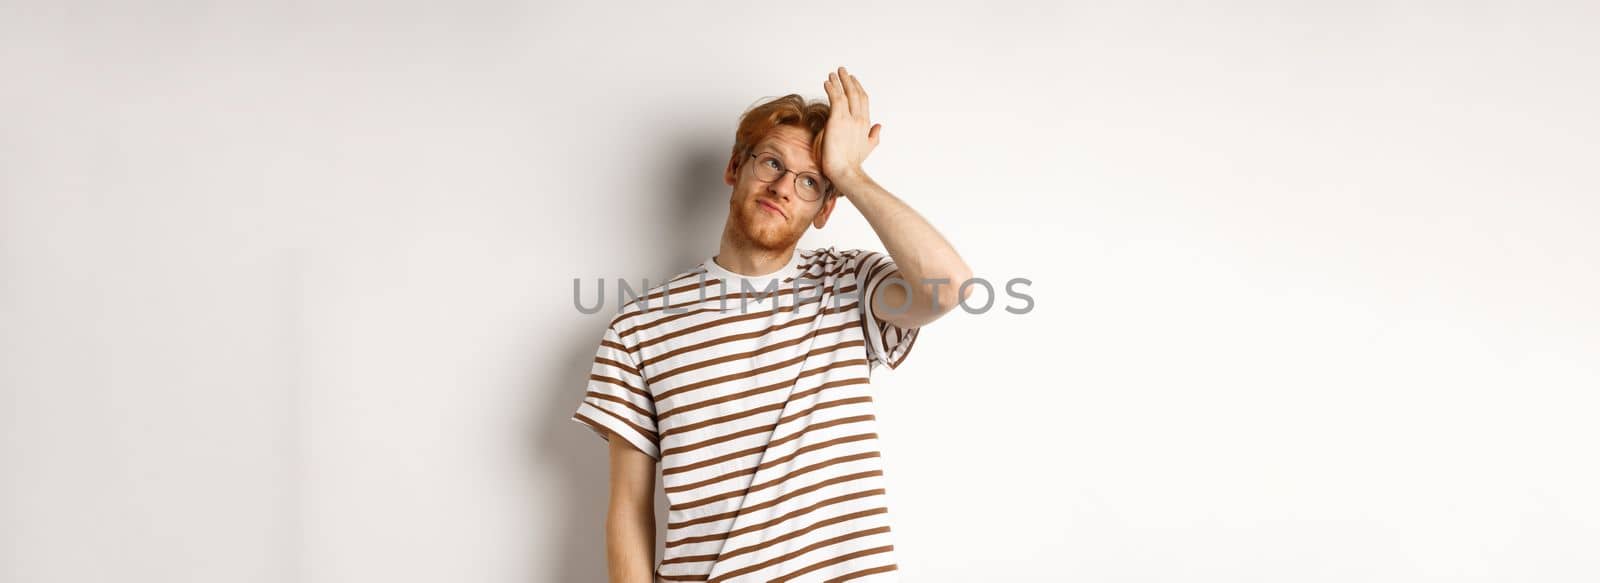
771 162
808 181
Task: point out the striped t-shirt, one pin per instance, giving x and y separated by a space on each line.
760 416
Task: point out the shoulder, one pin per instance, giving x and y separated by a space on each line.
845 264
648 306
843 257
831 263
861 263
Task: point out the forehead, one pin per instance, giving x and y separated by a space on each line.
790 143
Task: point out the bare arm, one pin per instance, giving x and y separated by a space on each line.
631 517
920 253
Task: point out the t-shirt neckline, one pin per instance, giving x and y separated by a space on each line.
785 273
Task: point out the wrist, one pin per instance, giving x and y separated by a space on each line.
851 182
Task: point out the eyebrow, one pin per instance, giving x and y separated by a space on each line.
770 150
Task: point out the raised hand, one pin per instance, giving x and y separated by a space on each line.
850 133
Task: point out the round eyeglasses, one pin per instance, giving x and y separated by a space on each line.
809 186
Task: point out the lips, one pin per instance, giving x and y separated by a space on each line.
772 207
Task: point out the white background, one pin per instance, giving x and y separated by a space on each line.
286 287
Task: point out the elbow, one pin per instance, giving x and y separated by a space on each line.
956 292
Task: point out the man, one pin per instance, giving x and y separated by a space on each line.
746 377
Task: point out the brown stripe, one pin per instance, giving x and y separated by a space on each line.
745 336
783 440
863 573
806 549
877 291
784 477
778 500
668 431
629 404
756 371
598 426
626 313
824 405
780 479
881 264
791 535
605 431
752 353
772 387
691 577
769 445
783 289
741 317
763 428
778 519
721 438
626 367
802 532
648 434
820 445
710 462
620 383
909 341
864 260
836 560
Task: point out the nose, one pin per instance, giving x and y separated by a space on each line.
783 186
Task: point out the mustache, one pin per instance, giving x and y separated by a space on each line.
775 206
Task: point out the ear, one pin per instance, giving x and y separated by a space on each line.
730 175
823 213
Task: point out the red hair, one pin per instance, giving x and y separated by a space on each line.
790 110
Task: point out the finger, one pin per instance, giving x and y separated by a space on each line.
836 95
858 102
850 93
833 97
840 96
873 135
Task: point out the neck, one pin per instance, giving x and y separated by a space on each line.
749 260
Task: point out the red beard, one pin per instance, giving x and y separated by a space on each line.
763 230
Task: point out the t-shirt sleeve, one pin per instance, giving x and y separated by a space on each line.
618 400
886 343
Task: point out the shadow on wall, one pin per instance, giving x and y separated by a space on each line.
676 230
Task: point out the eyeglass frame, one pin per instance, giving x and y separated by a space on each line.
826 193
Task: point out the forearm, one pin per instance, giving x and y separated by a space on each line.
919 251
630 545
